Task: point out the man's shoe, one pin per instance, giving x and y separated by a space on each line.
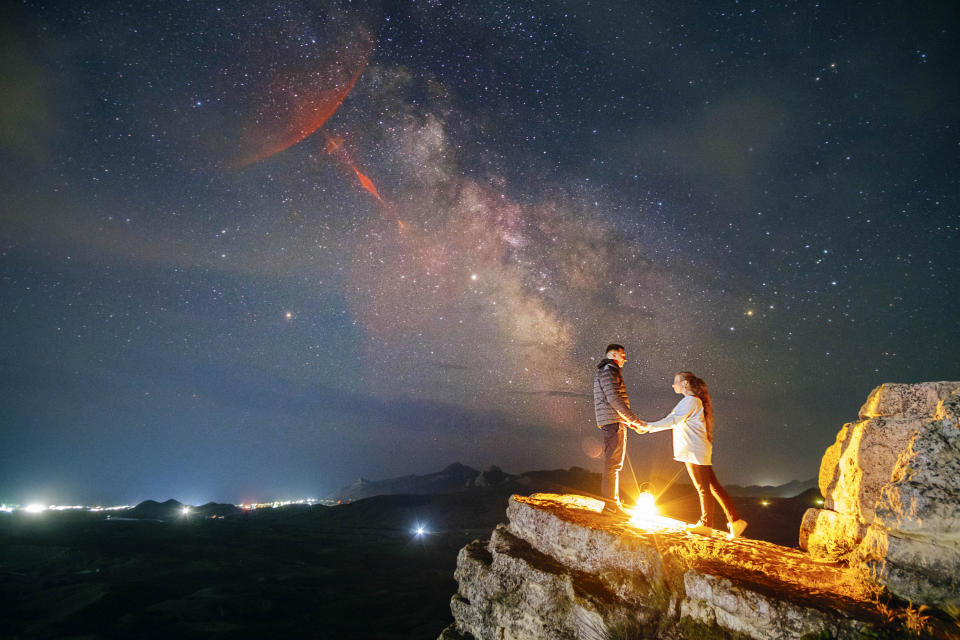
615 509
736 528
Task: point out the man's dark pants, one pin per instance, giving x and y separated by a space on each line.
614 450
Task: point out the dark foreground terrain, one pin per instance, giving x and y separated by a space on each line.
351 571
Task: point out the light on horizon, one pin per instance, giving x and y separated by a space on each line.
35 508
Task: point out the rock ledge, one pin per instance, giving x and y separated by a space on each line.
560 569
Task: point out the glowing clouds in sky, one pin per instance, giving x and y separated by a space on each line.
298 103
273 82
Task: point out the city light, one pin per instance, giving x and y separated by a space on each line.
184 511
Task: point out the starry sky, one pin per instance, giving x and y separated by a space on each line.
258 250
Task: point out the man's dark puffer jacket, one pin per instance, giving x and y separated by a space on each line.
610 395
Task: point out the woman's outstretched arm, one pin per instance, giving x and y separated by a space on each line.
681 412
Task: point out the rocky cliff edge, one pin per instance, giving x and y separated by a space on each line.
561 569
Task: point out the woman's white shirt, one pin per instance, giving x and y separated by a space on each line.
690 442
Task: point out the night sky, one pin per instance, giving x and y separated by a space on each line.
254 251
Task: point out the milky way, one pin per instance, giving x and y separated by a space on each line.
255 253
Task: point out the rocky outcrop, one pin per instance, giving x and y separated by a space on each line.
561 569
891 487
882 560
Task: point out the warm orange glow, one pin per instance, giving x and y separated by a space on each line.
574 500
645 510
314 105
336 148
645 514
367 183
333 143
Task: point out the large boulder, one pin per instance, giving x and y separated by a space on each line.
891 487
561 569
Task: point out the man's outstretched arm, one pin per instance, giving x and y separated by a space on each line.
616 396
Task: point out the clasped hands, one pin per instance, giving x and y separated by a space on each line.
639 426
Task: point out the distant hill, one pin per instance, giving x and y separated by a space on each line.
172 510
153 510
459 477
791 489
455 477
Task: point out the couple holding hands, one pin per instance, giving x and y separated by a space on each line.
692 424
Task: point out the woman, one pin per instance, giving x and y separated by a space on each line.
692 424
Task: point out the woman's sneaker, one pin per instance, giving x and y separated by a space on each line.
700 529
736 528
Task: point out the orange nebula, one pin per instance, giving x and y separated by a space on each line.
300 102
335 147
367 183
333 143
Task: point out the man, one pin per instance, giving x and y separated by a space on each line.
614 417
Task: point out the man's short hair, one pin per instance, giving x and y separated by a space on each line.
614 347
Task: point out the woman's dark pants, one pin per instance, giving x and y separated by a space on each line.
705 481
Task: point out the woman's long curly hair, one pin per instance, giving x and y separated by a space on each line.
699 388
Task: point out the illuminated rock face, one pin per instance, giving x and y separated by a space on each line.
891 484
559 569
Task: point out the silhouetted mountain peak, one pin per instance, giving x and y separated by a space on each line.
153 510
458 477
457 467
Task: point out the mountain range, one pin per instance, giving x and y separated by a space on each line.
459 477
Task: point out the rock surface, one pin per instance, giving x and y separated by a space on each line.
891 484
560 569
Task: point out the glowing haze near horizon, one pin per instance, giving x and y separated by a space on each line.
763 193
